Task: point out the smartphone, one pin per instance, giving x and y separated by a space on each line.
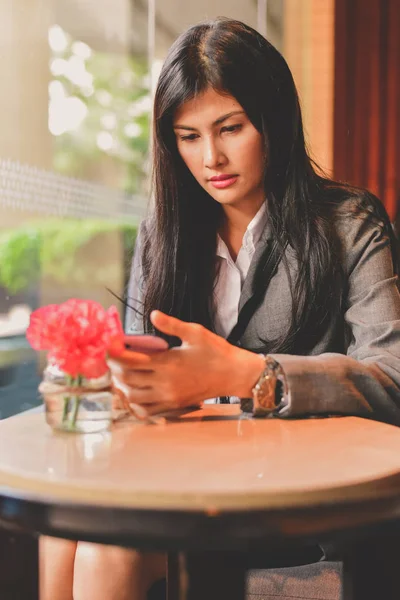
146 344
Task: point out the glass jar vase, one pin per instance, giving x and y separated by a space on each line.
79 406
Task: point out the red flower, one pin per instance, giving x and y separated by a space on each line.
43 327
115 333
78 335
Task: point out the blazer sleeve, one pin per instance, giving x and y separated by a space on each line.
366 381
135 293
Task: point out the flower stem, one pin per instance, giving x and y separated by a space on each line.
65 409
75 411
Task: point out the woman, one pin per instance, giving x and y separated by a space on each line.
265 271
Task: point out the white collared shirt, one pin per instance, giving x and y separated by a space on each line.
233 273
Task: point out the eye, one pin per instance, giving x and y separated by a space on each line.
231 128
188 138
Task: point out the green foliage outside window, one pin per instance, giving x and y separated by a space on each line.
112 92
56 249
99 114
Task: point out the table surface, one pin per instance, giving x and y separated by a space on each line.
210 460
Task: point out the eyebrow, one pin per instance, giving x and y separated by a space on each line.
217 122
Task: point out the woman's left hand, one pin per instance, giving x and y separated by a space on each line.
204 366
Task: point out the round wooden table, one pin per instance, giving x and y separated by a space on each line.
221 489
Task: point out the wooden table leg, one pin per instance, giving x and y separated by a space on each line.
371 570
212 575
172 576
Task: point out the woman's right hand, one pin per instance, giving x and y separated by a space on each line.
204 366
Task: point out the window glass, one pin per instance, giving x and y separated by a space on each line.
75 101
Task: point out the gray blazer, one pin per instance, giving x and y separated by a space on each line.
355 368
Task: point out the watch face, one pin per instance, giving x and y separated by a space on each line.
264 392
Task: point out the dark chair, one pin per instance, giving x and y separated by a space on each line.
318 581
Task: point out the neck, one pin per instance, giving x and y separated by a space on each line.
236 220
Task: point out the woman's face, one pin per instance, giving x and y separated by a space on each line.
222 149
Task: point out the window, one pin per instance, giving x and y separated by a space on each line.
76 107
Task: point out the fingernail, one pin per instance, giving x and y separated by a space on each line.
141 414
139 411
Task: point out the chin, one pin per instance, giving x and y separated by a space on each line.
227 202
224 197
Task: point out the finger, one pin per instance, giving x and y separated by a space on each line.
150 395
131 356
164 410
132 395
152 409
138 411
118 399
129 360
139 379
188 332
122 391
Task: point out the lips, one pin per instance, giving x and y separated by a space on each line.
222 177
223 181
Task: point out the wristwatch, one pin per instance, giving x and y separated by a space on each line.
270 393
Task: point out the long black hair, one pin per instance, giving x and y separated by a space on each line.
179 252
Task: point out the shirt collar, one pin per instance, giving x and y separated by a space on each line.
256 226
252 235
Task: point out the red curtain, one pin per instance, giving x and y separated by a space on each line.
367 97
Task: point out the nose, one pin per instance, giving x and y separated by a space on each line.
213 157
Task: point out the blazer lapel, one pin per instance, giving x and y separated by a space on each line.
247 289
